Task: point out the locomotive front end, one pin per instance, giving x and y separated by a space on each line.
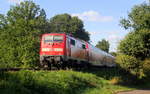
52 49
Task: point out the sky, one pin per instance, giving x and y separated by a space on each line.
101 17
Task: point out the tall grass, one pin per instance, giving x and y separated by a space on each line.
54 82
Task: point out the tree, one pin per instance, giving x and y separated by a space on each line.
103 45
130 64
27 14
113 53
136 44
138 18
3 21
20 38
71 25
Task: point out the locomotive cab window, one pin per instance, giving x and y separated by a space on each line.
72 42
51 38
48 39
58 38
83 46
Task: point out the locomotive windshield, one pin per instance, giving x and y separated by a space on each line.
52 38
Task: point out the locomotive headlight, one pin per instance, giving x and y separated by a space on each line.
58 49
46 49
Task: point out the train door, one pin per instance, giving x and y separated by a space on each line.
68 47
72 47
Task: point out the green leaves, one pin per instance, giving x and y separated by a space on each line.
20 39
138 18
136 44
20 32
103 45
72 25
3 21
130 64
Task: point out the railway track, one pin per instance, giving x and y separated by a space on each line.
18 69
34 69
53 68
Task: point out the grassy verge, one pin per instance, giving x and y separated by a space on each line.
56 82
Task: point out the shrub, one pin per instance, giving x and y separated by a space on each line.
45 82
136 44
146 67
19 39
130 64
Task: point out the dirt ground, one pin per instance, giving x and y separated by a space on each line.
136 92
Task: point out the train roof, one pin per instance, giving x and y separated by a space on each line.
100 50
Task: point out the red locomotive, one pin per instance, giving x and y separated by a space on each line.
62 50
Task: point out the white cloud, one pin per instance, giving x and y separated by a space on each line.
93 16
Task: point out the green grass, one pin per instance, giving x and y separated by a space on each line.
56 82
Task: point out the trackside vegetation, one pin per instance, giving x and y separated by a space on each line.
134 49
56 82
21 29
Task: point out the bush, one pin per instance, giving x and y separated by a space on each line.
54 82
146 67
130 64
136 44
19 39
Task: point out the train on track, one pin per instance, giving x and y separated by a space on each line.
62 50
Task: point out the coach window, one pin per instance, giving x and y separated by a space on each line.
83 46
72 42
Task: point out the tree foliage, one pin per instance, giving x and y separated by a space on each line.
146 67
130 64
113 53
20 32
103 45
71 25
136 44
138 18
3 21
19 39
27 14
